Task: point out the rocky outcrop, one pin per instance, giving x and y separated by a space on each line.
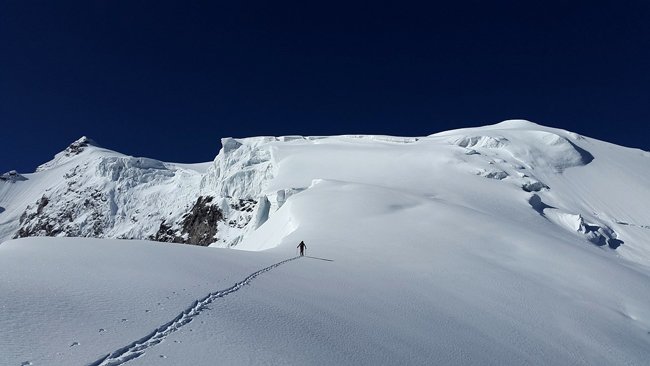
12 177
78 146
200 224
84 218
208 222
72 150
100 193
39 227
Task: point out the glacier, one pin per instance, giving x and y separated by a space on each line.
506 244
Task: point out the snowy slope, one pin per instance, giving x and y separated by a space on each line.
507 244
590 190
559 175
100 293
90 191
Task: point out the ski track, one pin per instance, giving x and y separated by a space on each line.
138 348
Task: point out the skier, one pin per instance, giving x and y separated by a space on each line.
302 247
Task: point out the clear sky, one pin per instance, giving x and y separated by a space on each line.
168 79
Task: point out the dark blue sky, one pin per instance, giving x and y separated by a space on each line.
167 79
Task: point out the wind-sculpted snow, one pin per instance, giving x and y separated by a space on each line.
542 148
135 171
532 148
241 169
383 138
599 234
485 142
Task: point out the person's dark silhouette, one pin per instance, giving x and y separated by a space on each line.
302 247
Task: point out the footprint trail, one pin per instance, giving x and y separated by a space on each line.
138 348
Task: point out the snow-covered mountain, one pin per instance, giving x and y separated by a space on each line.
88 191
507 244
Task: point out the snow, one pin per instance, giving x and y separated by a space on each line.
100 193
481 246
197 167
58 291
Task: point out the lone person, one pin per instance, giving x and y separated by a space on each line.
302 247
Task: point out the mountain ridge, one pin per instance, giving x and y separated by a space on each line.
87 190
507 245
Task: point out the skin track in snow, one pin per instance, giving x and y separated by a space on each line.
138 348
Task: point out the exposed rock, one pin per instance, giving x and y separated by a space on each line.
200 224
12 176
492 174
78 146
246 205
198 227
41 204
167 234
38 226
533 186
43 219
71 151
